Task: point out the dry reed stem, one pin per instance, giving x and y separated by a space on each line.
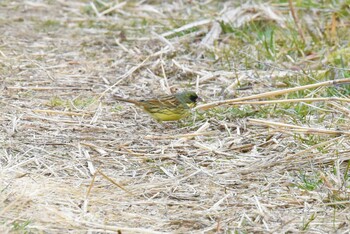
340 108
113 182
54 112
298 129
326 99
325 143
188 135
273 93
187 27
47 88
111 9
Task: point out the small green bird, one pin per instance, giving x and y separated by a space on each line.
167 108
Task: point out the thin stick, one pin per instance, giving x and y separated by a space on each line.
115 7
44 88
296 20
179 135
303 152
91 184
272 93
292 100
95 9
186 27
113 182
296 128
54 112
342 109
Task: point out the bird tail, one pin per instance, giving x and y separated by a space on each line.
126 100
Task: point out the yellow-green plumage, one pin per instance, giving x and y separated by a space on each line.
168 108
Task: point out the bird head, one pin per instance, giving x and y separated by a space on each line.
190 98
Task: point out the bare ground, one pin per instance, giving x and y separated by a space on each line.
73 160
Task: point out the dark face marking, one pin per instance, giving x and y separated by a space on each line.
193 97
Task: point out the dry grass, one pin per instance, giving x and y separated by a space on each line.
74 160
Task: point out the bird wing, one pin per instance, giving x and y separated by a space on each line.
163 102
169 101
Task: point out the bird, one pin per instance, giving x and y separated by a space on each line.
167 108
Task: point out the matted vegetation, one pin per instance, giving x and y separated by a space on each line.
267 151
